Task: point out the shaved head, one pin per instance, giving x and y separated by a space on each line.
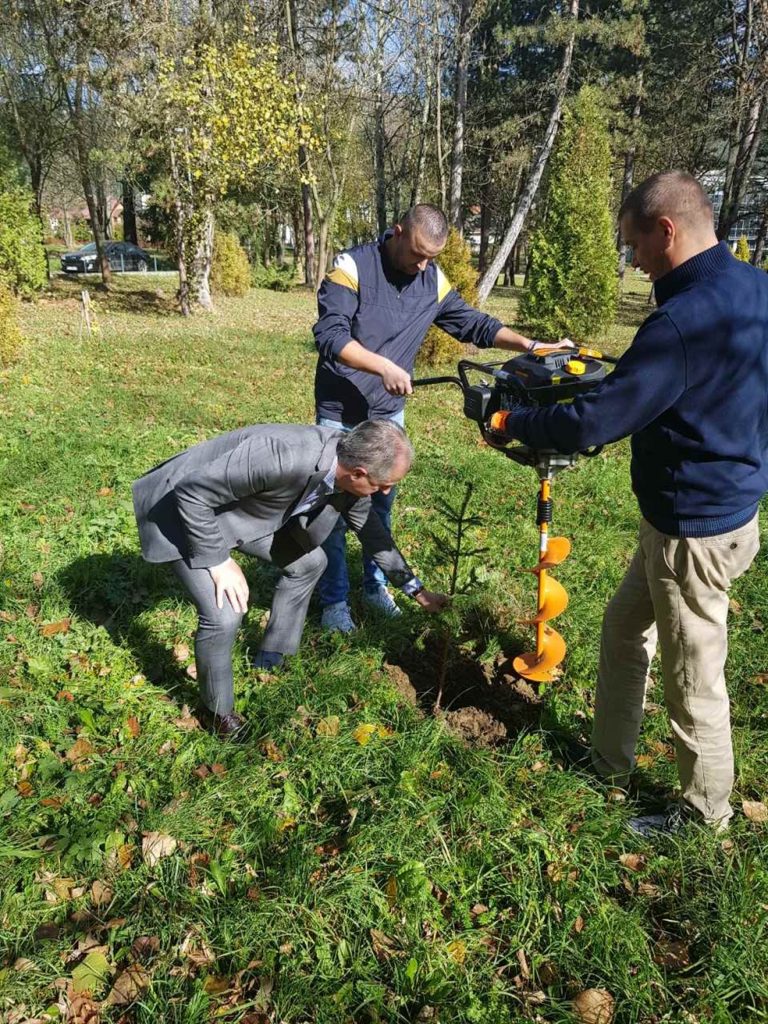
674 194
428 221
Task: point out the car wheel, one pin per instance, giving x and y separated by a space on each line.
142 266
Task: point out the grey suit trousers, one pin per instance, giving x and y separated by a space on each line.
217 627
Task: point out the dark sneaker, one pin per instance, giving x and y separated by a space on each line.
232 727
667 823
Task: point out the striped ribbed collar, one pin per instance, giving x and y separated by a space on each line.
698 268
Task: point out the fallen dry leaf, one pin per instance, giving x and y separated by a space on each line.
79 750
155 846
328 726
181 653
216 986
65 695
648 889
457 951
761 679
755 810
52 628
195 949
101 893
633 861
578 925
37 580
24 788
218 769
271 751
594 1006
191 671
134 728
384 948
81 1009
128 986
23 964
367 730
187 722
145 946
672 953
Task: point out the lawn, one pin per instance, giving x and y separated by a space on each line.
359 859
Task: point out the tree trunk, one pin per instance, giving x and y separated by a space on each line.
421 157
749 42
628 177
464 38
485 220
439 111
68 239
201 261
529 193
185 302
130 232
304 169
762 233
298 252
309 233
379 130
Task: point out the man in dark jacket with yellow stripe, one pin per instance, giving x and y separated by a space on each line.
375 307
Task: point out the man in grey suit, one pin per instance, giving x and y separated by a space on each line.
275 492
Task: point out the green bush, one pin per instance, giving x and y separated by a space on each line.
10 335
230 270
455 261
573 286
276 278
742 249
22 255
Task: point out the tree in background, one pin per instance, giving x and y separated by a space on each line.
228 115
572 275
230 269
742 249
22 256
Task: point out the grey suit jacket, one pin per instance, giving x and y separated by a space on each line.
243 486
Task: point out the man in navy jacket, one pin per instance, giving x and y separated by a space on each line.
692 390
375 307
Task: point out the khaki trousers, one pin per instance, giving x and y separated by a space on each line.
675 593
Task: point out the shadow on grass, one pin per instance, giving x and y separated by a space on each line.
113 590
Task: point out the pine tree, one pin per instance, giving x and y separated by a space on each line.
573 287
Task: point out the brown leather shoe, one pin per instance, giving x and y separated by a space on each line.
232 727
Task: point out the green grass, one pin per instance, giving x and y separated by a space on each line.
315 878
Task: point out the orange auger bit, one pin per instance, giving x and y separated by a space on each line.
539 666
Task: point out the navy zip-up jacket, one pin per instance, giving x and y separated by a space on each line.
692 389
364 298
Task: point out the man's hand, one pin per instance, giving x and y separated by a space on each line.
540 348
432 602
395 379
228 580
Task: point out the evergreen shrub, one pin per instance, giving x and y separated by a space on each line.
573 284
230 269
22 254
455 261
278 279
742 249
10 335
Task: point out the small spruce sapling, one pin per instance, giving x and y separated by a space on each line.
455 549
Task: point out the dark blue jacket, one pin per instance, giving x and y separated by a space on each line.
692 389
365 299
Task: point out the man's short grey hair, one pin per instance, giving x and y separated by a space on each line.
375 445
430 222
674 194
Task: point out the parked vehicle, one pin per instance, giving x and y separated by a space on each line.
121 256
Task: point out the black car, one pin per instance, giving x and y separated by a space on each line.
121 256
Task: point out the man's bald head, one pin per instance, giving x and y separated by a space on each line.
674 194
667 220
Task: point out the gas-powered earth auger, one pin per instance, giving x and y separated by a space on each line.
531 380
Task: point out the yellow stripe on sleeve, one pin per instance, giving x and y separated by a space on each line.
339 276
443 284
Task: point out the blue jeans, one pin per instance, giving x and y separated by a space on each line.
334 583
